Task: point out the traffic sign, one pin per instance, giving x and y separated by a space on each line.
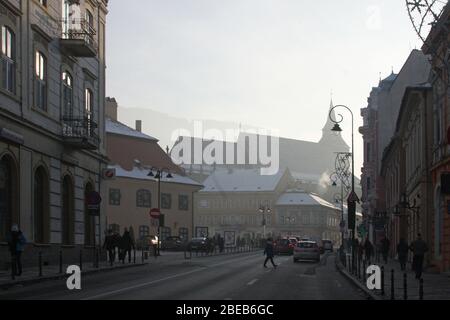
93 201
353 197
155 213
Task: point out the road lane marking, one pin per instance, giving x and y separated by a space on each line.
142 285
252 282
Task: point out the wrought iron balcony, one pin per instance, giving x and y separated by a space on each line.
80 133
78 38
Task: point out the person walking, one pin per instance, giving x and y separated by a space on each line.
419 248
16 243
402 251
368 249
127 244
110 246
269 252
385 248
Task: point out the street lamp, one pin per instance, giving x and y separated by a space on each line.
263 210
353 197
158 175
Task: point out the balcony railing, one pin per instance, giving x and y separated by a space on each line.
80 133
78 38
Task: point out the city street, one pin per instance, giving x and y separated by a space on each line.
229 277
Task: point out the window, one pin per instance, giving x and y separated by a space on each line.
90 26
115 228
67 94
41 81
144 231
114 197
41 208
8 60
88 104
43 2
165 233
143 199
68 215
166 201
183 202
8 195
183 234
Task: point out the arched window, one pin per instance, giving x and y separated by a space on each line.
8 196
143 199
89 104
67 82
89 221
40 95
8 60
67 216
41 206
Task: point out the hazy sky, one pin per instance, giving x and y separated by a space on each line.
270 63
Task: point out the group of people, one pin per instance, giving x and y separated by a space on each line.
419 248
123 244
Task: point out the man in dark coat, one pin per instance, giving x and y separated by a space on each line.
126 244
385 247
402 250
16 243
368 249
269 252
110 246
419 248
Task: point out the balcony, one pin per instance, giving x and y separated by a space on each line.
80 133
78 38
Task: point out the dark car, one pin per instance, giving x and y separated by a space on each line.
201 244
173 243
284 246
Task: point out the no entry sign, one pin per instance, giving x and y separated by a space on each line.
155 213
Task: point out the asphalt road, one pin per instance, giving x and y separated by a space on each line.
233 277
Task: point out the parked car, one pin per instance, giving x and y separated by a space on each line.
284 246
307 250
173 243
294 241
201 244
147 242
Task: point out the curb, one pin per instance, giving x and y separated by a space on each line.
10 284
370 294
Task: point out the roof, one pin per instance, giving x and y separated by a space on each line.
141 173
301 198
242 180
116 127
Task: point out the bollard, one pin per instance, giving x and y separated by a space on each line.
60 262
40 264
97 258
382 281
364 271
81 260
405 286
134 256
359 269
392 285
143 256
421 290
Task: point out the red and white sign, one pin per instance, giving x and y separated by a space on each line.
109 174
155 213
93 200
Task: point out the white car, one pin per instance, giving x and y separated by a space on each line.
306 250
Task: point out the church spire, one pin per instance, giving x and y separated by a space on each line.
332 138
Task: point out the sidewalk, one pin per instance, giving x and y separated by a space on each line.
435 286
52 272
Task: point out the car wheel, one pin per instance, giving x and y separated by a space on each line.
295 260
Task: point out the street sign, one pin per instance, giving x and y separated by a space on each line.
109 174
93 201
155 213
353 197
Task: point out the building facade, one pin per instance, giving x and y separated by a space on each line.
52 150
436 46
132 193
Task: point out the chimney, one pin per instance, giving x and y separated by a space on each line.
139 125
111 108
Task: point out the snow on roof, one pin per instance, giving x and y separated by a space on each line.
301 198
241 180
116 127
141 173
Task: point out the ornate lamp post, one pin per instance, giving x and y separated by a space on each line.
158 175
353 198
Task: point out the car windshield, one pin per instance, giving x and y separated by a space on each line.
307 245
